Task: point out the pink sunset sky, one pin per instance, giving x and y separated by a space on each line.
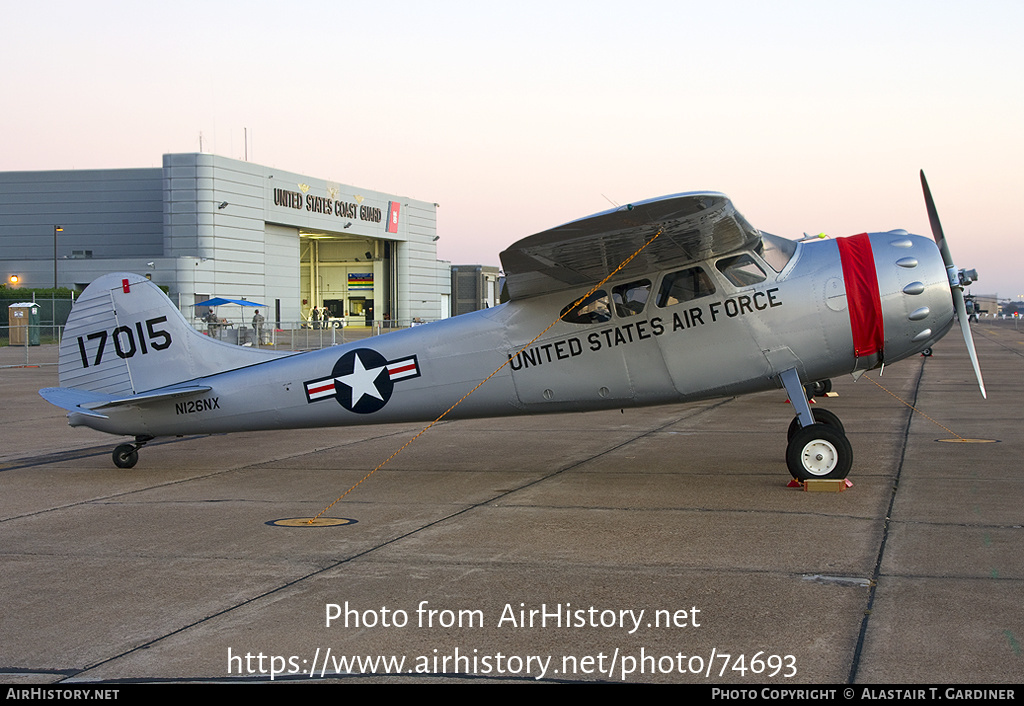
516 117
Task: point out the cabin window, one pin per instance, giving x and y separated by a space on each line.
630 298
684 285
741 270
594 309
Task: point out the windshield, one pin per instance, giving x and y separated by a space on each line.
776 251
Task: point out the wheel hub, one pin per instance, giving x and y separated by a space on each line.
820 457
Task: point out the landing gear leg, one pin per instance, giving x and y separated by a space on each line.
817 448
127 455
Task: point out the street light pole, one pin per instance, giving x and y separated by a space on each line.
56 229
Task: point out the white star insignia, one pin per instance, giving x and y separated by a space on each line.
362 381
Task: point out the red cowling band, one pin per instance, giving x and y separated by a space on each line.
862 296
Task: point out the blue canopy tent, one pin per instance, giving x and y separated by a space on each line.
218 328
217 301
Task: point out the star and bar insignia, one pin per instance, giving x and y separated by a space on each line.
362 380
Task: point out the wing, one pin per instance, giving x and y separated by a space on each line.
694 226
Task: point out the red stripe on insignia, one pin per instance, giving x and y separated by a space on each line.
403 369
322 388
862 297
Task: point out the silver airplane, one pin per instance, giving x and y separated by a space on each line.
709 307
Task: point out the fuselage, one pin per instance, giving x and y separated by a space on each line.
719 327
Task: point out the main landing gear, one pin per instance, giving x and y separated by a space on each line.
818 447
127 455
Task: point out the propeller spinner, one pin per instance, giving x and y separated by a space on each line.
958 279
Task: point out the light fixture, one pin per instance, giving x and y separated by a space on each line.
223 205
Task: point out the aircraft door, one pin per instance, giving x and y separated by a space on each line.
594 357
709 345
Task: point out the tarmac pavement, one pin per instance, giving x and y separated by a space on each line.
170 571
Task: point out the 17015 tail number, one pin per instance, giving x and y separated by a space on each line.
126 343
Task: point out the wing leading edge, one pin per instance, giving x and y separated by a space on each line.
694 226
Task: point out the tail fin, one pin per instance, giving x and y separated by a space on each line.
124 336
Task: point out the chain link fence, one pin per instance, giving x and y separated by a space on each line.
298 335
42 338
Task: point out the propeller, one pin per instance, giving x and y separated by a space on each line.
958 279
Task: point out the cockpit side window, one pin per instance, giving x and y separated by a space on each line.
776 251
684 285
594 309
741 270
630 298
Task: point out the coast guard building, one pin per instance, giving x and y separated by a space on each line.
206 226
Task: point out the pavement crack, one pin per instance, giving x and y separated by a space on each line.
886 524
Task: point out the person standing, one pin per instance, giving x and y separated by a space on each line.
257 326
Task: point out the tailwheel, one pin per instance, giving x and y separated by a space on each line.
819 451
126 456
822 416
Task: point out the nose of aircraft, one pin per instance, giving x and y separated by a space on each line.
917 308
920 290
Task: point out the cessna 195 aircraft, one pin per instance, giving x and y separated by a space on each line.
709 308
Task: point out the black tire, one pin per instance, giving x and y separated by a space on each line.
821 416
126 456
818 389
927 352
819 451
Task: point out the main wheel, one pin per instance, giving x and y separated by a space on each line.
821 416
819 388
819 451
126 456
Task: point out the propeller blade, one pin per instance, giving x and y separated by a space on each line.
940 238
965 328
955 288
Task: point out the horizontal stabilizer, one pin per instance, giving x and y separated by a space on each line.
85 402
75 400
